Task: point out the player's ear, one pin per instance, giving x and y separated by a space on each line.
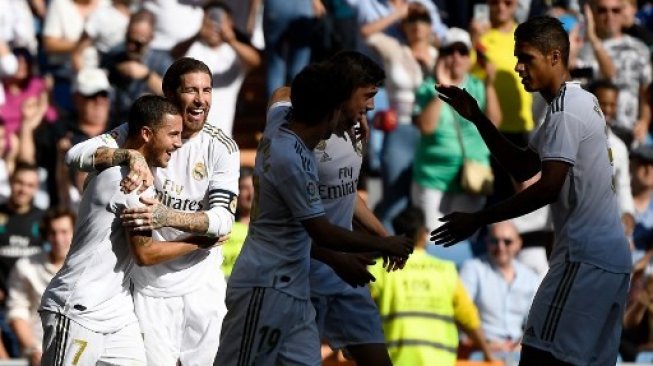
556 57
146 133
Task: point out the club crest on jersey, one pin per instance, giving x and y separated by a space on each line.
321 145
3 219
312 192
199 171
233 205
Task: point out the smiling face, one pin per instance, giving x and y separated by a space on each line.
60 234
356 107
163 141
503 243
193 97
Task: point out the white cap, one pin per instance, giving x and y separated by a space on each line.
456 35
89 81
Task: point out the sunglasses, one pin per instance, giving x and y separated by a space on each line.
100 94
606 10
459 48
495 241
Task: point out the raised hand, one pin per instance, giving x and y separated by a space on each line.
457 226
139 176
460 100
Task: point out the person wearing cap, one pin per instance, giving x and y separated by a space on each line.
91 117
439 157
405 64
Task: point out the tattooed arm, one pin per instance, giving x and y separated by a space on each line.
101 152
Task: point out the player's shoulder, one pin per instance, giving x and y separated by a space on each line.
571 98
219 138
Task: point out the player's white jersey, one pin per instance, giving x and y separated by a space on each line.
276 252
586 214
339 162
92 287
202 173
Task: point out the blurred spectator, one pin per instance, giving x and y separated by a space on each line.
631 24
105 31
176 21
638 317
336 31
494 43
16 24
136 70
501 287
229 55
287 28
29 278
231 248
641 173
8 154
64 24
19 87
439 157
91 97
422 304
631 58
403 62
8 65
607 94
19 221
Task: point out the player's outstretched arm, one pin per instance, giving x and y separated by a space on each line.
522 164
330 236
103 151
148 252
459 226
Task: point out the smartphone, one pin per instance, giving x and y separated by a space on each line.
216 15
481 13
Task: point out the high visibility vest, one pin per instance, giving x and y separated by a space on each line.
416 306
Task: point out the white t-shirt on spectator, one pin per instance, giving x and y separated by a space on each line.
106 26
176 21
228 75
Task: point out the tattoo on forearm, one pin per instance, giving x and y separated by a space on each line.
160 216
120 156
196 222
142 241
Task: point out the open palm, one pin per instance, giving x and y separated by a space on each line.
460 100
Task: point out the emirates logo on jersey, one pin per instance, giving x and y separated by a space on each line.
199 171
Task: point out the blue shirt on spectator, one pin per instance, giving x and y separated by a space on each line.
503 306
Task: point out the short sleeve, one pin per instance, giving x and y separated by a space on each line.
277 115
299 189
559 138
424 94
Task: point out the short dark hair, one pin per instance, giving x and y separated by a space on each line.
409 222
355 70
24 167
148 111
546 34
315 94
594 86
182 66
55 213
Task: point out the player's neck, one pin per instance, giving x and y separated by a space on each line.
311 135
558 81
